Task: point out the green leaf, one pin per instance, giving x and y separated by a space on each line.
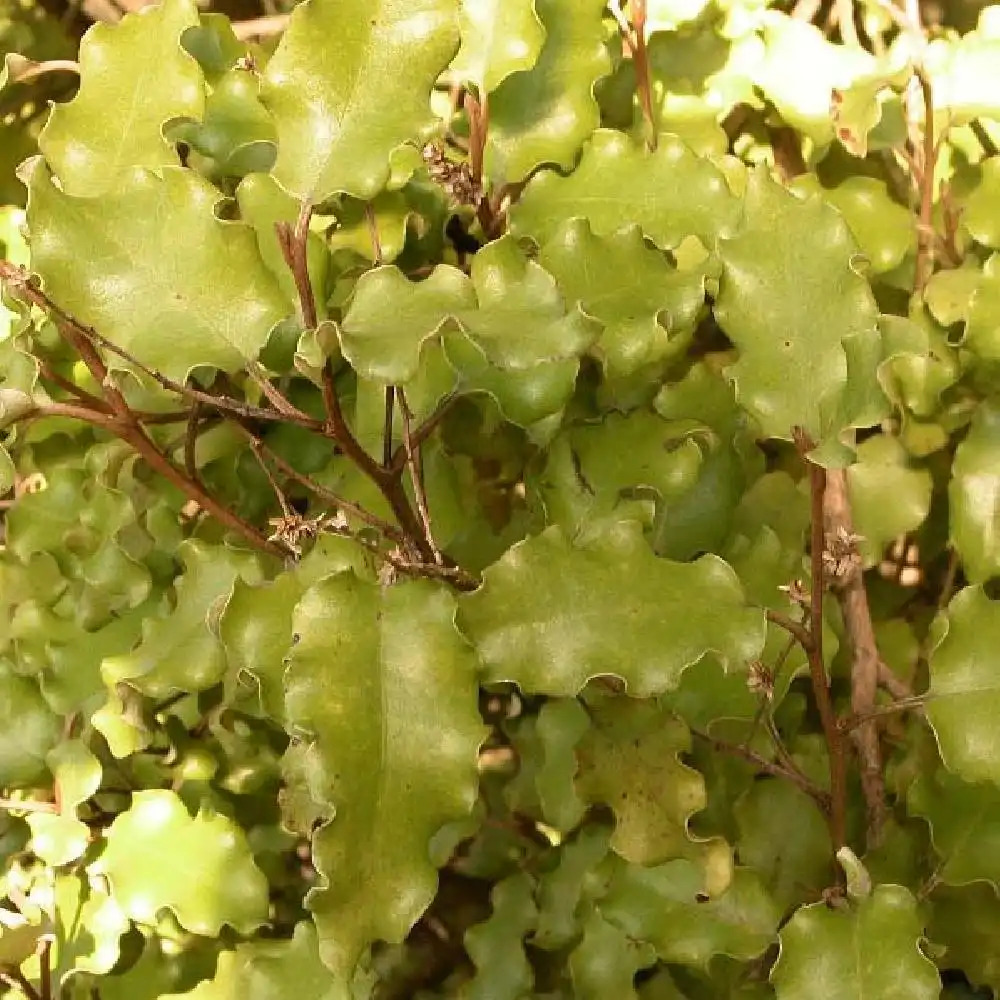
180 651
670 193
560 725
964 821
134 78
28 730
499 37
201 868
784 837
237 132
645 305
966 922
807 335
194 294
496 946
982 205
630 760
269 970
974 496
964 693
511 309
890 495
666 906
390 710
606 960
88 927
883 228
868 949
543 115
349 84
543 617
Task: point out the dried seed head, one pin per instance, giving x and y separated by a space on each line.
840 556
455 178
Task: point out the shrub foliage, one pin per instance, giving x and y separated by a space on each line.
502 502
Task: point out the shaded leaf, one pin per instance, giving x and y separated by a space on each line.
606 960
974 496
964 693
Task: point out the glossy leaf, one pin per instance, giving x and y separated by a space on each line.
543 620
964 692
158 856
349 84
134 78
511 309
395 725
670 193
498 38
542 115
871 948
196 294
974 496
807 335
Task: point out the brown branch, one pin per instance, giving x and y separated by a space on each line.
423 432
16 978
390 405
45 968
416 476
817 668
853 599
191 442
925 225
796 777
640 59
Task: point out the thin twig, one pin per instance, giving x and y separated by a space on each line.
640 57
925 225
416 475
989 146
860 633
814 652
191 442
45 968
30 70
796 777
912 704
423 432
16 978
28 806
390 406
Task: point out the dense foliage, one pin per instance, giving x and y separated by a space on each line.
502 501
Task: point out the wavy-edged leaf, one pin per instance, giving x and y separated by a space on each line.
134 78
666 906
552 613
157 856
191 294
966 922
669 193
510 308
974 496
88 926
964 823
180 651
496 946
543 115
499 37
606 960
349 84
287 969
867 949
807 334
384 690
964 688
645 305
28 731
629 759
